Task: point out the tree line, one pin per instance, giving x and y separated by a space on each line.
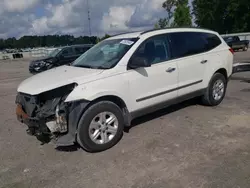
223 16
47 41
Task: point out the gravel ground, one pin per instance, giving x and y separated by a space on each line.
186 145
241 56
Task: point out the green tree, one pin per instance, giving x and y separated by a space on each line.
182 16
103 38
177 9
223 16
48 41
162 23
169 5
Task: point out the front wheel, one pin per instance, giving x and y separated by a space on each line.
216 90
101 127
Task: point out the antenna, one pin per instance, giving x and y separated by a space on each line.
89 18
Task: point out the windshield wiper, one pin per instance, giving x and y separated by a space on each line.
85 66
102 67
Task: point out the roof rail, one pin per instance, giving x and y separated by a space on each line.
148 31
125 33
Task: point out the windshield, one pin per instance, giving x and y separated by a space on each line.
105 54
54 52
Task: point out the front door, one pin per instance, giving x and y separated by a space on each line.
153 85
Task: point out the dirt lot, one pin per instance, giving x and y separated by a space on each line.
186 145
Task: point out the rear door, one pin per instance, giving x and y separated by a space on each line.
187 49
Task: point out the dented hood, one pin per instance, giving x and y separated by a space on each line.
57 77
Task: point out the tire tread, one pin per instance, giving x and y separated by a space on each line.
89 112
206 98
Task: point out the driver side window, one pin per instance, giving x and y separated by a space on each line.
67 52
154 50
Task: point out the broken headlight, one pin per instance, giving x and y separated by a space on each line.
61 92
53 109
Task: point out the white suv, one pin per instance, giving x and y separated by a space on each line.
121 78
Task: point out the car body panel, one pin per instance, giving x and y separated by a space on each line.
151 85
55 78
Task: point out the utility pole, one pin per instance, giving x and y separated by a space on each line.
89 18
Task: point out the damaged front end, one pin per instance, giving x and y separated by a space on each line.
48 116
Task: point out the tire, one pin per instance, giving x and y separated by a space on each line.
85 125
209 99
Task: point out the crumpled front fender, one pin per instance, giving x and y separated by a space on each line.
75 111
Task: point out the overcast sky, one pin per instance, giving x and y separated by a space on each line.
41 17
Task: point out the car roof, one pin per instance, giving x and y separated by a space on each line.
153 32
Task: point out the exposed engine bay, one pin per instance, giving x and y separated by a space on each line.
48 116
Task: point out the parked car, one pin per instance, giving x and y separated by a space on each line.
121 78
58 57
236 44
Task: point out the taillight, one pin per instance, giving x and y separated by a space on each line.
231 50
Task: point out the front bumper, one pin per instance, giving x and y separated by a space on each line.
35 127
39 128
34 70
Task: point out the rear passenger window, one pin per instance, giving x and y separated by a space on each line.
192 43
186 44
212 40
155 50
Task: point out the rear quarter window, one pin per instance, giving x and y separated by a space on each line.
186 44
191 43
212 40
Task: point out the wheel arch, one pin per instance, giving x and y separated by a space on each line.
222 71
116 100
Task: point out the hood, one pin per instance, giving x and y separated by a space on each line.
55 78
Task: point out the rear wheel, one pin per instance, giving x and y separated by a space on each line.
101 127
216 90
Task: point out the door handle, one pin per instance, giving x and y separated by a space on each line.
170 69
204 61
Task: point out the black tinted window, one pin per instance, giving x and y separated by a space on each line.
67 52
154 50
228 39
191 43
212 40
187 43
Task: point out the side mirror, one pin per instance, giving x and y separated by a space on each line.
137 62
